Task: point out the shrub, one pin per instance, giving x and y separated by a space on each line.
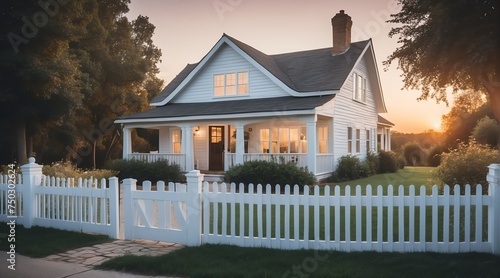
141 170
350 168
269 172
401 162
413 154
388 162
373 163
434 156
67 170
467 165
486 131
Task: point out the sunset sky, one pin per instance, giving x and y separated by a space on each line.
187 29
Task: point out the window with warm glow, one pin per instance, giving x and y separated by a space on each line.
176 140
283 140
231 84
323 139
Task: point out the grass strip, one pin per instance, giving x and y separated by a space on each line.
233 261
39 242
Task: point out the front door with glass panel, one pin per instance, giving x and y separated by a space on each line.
216 148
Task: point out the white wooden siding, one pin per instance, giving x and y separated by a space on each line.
165 142
227 60
350 113
200 144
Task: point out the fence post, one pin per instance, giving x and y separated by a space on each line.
129 185
32 176
114 208
193 205
493 179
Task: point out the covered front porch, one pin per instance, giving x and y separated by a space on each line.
217 145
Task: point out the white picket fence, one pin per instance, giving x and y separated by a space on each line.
346 222
83 205
367 219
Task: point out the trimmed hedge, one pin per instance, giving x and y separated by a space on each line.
269 172
388 162
350 168
141 170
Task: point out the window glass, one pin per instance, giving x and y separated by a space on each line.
242 83
230 84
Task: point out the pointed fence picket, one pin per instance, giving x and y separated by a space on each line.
83 205
305 220
393 219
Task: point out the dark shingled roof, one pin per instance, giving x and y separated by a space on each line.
278 104
304 71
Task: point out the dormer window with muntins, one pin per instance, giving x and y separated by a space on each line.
359 87
231 84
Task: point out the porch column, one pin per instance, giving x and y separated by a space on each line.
127 142
388 139
187 147
382 139
311 146
240 143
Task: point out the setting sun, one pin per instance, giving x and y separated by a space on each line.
437 126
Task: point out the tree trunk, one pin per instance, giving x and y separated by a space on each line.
93 154
22 156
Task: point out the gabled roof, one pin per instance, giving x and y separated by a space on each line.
273 105
384 121
304 73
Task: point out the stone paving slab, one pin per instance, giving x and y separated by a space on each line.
99 253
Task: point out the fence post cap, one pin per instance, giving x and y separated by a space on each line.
31 160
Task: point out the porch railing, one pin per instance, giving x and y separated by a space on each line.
299 158
172 158
324 162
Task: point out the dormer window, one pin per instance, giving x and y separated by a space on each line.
231 84
359 88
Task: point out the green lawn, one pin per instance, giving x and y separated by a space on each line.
40 242
417 176
231 261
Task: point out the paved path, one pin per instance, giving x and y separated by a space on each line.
79 263
99 253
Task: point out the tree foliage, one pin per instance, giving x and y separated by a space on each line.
485 132
69 68
447 44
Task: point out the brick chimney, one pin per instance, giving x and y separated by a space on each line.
341 24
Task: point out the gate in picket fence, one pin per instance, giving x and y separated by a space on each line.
367 219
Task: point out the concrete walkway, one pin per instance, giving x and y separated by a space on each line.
79 263
97 254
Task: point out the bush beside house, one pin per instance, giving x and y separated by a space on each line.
269 172
160 170
350 167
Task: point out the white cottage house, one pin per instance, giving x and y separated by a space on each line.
238 104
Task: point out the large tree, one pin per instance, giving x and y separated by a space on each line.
68 69
39 76
449 44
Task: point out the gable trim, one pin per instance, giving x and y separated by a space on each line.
217 46
379 97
